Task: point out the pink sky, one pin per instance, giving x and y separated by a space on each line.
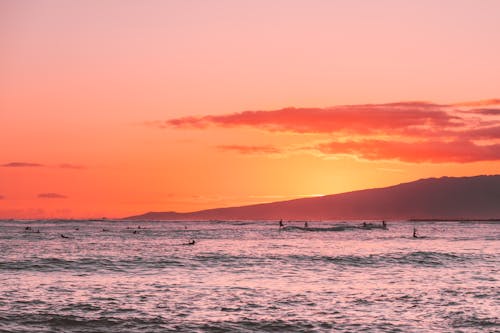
112 108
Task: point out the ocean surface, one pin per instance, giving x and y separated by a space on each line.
111 276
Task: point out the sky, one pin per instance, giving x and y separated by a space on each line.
116 108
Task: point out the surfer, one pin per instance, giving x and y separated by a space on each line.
415 232
384 225
306 225
191 242
62 236
27 228
281 224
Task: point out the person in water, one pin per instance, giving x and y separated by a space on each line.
192 242
62 236
384 225
306 225
281 224
415 233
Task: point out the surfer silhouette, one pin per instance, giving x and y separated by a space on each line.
415 233
281 224
306 225
62 236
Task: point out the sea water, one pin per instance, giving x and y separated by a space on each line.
112 276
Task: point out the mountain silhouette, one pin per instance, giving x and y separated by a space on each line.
433 198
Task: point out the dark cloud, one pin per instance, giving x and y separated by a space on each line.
415 152
31 164
22 165
487 112
51 195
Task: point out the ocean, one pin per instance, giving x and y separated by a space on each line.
248 276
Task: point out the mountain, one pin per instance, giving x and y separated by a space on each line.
434 198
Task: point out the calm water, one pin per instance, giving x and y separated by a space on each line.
248 277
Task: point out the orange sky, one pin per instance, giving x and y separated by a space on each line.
115 108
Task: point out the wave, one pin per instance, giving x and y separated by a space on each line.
214 259
418 258
87 264
51 322
72 323
475 321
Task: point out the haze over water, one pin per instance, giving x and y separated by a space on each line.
248 277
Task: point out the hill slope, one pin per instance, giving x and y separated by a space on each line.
445 198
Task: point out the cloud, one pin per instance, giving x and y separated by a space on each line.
350 119
22 165
2 197
483 133
413 132
250 149
51 195
487 112
31 165
414 152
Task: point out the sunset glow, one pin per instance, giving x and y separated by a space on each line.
115 108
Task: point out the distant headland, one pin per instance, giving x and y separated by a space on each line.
445 198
